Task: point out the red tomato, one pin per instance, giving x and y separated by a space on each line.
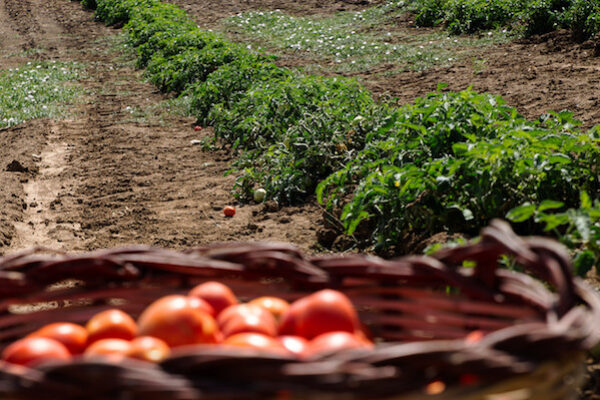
32 351
334 341
229 211
247 318
111 324
148 348
274 305
114 349
364 335
289 320
295 344
216 294
256 341
197 128
179 320
74 337
324 311
474 337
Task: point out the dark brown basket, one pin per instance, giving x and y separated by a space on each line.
419 308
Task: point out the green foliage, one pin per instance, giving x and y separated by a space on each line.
430 12
453 161
36 90
118 11
145 22
465 16
227 84
529 16
176 72
577 228
301 129
541 16
583 18
168 43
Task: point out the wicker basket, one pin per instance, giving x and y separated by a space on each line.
420 308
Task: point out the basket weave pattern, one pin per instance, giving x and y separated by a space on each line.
537 323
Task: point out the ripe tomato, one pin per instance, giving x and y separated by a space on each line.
148 348
229 211
33 351
114 349
111 324
289 320
295 344
179 320
324 311
74 337
197 128
334 341
474 336
364 334
256 341
274 305
216 294
247 318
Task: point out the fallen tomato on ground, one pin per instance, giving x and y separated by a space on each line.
229 211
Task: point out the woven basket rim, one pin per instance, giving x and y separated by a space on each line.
569 314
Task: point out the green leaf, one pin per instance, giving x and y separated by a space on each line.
585 200
521 213
584 262
559 159
355 221
553 220
550 205
441 86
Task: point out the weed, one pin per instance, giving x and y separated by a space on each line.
36 90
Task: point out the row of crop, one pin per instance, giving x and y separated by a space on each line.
582 17
450 161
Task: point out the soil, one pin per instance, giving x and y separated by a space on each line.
99 178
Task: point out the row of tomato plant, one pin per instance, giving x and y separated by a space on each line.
447 162
531 17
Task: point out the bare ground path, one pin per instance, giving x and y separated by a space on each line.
101 178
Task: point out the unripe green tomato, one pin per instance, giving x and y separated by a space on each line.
259 195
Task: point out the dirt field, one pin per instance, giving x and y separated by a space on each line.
93 181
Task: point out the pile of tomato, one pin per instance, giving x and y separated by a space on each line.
210 314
